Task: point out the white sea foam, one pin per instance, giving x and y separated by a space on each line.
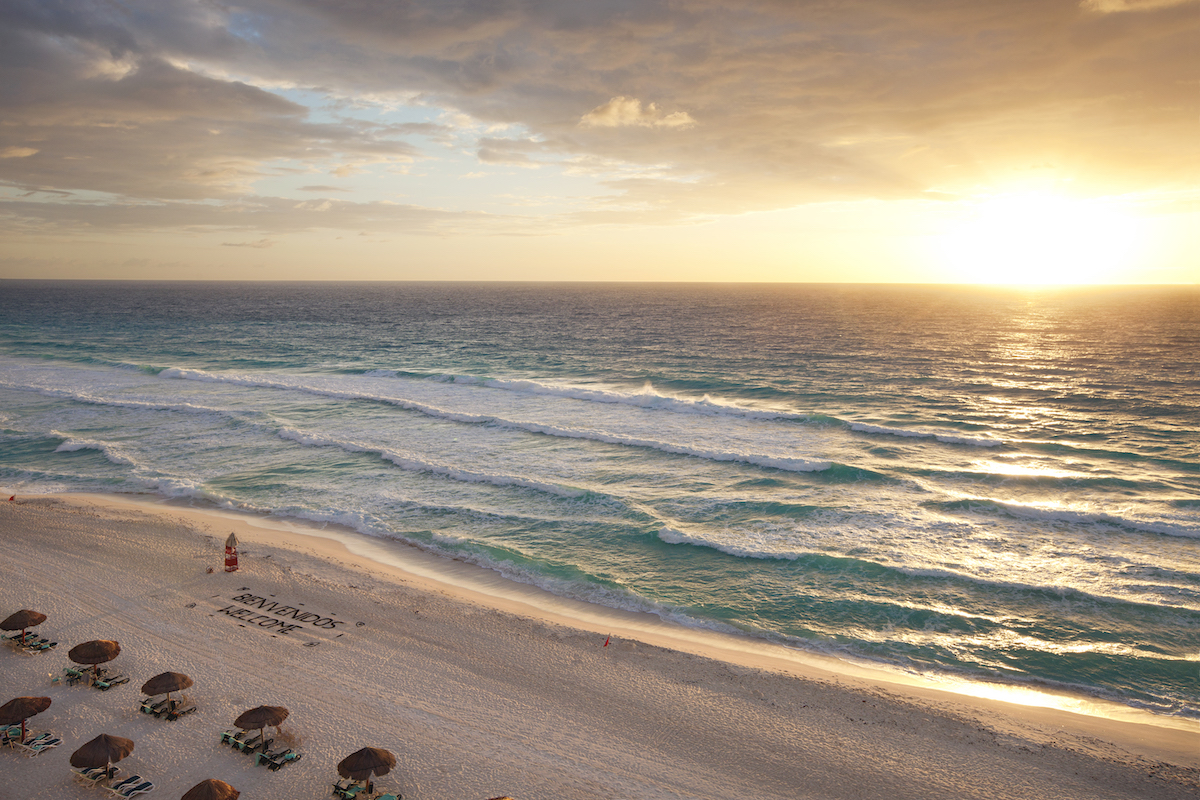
99 400
111 452
410 462
744 549
648 397
791 464
1078 517
948 438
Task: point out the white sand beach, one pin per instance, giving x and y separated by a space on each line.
482 688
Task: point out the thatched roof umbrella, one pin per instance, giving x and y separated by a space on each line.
97 652
101 752
166 683
261 717
21 709
362 764
211 789
25 618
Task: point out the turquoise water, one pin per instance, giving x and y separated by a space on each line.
995 483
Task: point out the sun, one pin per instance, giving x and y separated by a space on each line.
1039 238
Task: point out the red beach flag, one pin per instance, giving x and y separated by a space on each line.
606 640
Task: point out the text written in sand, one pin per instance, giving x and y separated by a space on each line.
275 616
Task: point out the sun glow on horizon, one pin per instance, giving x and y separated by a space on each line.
1043 239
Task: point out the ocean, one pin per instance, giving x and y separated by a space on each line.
997 484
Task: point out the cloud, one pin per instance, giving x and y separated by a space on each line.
107 112
696 109
321 188
513 152
1116 6
18 152
621 111
274 215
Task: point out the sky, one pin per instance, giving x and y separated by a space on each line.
923 141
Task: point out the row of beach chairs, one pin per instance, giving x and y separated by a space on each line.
32 745
253 743
248 741
100 679
92 777
169 709
31 643
356 790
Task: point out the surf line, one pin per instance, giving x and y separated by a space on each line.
276 615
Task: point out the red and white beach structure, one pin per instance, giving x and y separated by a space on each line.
231 553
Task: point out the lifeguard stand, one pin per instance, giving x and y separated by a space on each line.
231 553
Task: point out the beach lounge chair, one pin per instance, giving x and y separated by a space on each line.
11 736
132 780
150 707
275 760
388 797
31 737
40 647
348 789
130 788
230 736
250 745
38 746
91 777
74 676
177 709
107 682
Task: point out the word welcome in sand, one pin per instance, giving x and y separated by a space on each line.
276 616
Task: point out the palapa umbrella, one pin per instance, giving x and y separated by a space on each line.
261 717
211 789
166 683
362 764
99 651
102 752
21 709
25 618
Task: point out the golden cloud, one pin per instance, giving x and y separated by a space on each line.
623 111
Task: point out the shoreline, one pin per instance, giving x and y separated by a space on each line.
484 587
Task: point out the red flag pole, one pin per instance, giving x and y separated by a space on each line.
606 640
